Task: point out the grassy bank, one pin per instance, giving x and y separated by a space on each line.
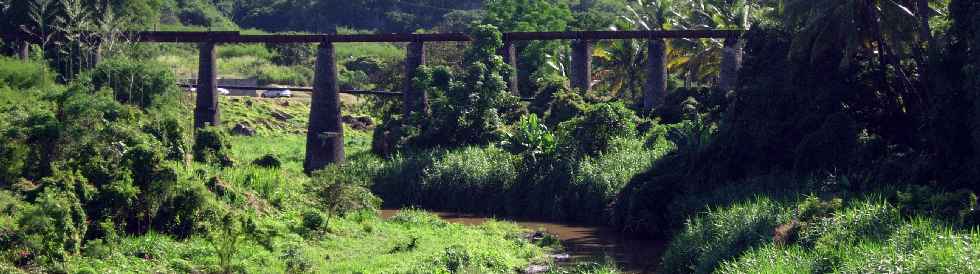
908 230
98 180
279 201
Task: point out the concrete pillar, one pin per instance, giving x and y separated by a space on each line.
206 112
24 52
414 100
731 61
509 52
96 57
325 135
582 65
655 92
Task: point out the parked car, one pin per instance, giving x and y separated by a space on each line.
276 93
222 91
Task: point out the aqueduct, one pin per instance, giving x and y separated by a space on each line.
325 145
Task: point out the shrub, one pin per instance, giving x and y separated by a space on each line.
685 103
211 145
12 160
267 161
593 132
295 259
957 207
313 220
189 211
549 88
833 146
21 76
456 257
292 54
293 76
468 110
341 192
135 83
55 224
240 50
530 137
566 105
171 133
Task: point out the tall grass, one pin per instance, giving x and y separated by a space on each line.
722 234
493 181
20 75
867 235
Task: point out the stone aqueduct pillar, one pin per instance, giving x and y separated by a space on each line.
414 99
656 87
325 135
731 61
582 65
24 50
509 52
206 112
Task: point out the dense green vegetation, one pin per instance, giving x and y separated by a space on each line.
133 205
850 144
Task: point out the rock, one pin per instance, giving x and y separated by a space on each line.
281 116
358 122
218 187
25 186
367 121
243 130
537 236
226 161
561 257
532 269
254 201
382 142
284 103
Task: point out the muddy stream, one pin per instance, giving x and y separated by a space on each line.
632 255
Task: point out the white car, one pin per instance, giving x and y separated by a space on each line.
276 93
222 91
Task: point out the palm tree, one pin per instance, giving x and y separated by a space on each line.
624 61
885 29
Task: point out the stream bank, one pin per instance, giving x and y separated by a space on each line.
632 254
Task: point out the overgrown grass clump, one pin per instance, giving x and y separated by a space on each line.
821 233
